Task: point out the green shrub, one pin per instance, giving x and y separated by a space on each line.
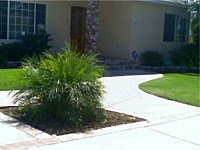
13 51
152 58
36 44
62 87
29 46
187 55
195 30
3 57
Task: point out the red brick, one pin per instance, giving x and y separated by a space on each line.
5 147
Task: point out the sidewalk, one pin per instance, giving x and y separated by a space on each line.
6 99
169 125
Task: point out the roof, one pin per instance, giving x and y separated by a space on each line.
177 3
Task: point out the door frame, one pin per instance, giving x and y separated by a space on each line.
77 37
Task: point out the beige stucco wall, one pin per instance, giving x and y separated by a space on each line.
114 29
58 21
134 26
148 27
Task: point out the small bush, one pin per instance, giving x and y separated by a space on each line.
62 87
13 51
195 30
187 55
152 58
3 57
29 46
36 44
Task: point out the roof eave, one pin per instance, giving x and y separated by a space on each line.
164 2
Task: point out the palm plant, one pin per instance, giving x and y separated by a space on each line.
62 87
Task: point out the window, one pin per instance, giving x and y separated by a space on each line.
40 17
18 18
21 19
3 19
169 27
174 28
180 28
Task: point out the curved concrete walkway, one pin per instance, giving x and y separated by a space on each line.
169 125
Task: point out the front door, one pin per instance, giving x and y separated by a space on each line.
78 27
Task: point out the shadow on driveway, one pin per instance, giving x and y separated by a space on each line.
112 73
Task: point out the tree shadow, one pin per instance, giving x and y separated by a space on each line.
191 74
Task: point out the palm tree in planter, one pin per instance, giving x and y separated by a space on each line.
62 87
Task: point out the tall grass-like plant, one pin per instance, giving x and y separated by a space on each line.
62 87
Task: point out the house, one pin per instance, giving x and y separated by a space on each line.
113 28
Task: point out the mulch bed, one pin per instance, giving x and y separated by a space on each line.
113 119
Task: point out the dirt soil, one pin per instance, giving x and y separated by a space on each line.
113 119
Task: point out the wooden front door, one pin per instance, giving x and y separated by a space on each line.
78 27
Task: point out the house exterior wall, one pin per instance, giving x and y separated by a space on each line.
124 26
114 29
148 27
134 26
59 20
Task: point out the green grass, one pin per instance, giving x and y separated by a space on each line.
8 79
183 88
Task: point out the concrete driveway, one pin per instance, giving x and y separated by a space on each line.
168 125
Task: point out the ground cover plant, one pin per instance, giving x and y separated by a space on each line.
183 88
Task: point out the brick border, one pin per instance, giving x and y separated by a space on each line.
30 144
38 134
42 138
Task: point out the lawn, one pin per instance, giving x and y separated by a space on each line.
8 79
182 88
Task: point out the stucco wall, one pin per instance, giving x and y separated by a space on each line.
148 27
58 21
134 26
114 29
